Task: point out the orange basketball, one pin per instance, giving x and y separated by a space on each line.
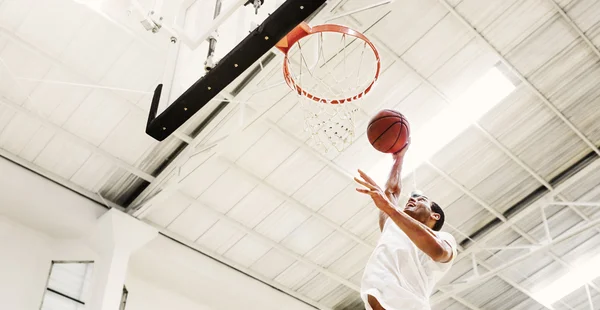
388 131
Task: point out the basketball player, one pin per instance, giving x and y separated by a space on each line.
412 254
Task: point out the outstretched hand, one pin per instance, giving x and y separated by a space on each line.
373 190
403 150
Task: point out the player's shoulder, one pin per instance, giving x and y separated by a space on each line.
447 237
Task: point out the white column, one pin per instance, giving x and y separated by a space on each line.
115 238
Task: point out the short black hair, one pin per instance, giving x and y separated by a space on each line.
437 209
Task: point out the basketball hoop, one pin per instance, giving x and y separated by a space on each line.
342 68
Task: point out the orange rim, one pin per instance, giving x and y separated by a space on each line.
303 30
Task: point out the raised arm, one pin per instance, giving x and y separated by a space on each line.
422 236
393 187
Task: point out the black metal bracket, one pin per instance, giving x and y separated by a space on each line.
251 49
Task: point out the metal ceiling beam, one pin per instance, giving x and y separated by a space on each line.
231 263
534 207
77 140
521 77
84 79
249 231
574 26
297 204
56 178
548 246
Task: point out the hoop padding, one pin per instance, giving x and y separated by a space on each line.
303 30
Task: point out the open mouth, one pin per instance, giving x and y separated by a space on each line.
410 204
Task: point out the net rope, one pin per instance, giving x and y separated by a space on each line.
331 66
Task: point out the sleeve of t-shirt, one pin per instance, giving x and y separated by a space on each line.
452 242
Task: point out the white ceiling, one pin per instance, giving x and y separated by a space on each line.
263 200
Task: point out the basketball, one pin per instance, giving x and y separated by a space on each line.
388 131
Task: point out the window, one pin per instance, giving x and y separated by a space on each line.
67 286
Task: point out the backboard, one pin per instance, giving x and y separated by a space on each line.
211 46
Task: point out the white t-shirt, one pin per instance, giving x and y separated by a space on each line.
399 274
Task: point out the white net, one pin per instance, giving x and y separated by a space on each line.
334 71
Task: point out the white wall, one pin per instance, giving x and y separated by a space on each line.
145 295
24 265
41 221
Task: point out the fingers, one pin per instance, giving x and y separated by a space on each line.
363 183
366 177
362 190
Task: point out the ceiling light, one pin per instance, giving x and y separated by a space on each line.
584 272
442 128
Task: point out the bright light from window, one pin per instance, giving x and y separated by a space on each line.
478 99
565 285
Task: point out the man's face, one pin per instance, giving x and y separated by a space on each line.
418 207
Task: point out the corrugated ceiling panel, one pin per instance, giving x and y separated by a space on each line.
12 13
450 305
516 23
63 157
165 212
437 188
318 287
129 132
296 276
460 215
577 299
20 63
96 46
302 165
419 16
220 237
331 249
395 83
543 45
321 188
139 68
534 134
200 172
281 222
555 75
267 154
18 133
92 174
57 32
482 14
273 263
293 121
347 203
255 206
529 304
537 270
220 196
308 235
580 247
247 251
56 102
193 222
461 270
580 189
438 45
340 298
97 116
508 300
584 13
352 262
363 222
418 106
486 292
463 69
